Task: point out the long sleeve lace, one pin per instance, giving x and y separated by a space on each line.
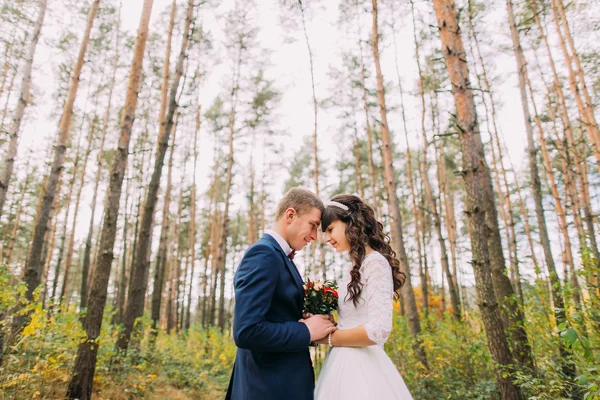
379 289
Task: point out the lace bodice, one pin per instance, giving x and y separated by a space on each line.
375 306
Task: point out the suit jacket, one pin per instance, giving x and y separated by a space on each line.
272 360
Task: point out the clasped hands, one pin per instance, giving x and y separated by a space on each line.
319 326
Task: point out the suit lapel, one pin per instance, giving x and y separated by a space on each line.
289 264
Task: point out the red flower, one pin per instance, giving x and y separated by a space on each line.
335 294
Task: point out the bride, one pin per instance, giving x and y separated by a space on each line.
357 366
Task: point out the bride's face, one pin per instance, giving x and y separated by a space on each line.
335 235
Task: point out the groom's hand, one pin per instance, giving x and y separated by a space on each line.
319 326
330 316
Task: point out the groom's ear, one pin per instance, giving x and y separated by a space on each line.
290 213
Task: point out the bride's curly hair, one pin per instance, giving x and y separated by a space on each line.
362 228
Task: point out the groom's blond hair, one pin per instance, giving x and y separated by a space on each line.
300 199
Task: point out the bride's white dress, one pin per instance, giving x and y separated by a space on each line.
363 373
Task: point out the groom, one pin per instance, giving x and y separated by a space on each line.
273 361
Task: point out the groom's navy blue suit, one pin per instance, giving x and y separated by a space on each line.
272 359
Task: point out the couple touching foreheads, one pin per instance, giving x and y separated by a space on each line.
272 335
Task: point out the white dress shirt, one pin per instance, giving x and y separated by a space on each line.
281 241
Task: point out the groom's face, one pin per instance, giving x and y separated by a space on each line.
302 228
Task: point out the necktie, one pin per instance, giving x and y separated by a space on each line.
292 254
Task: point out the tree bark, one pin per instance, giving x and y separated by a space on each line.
18 214
80 386
24 96
585 105
428 190
70 246
475 200
161 262
393 203
139 271
88 242
34 262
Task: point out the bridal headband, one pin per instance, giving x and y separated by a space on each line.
336 204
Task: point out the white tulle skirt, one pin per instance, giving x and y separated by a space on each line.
360 374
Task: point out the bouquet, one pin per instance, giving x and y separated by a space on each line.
320 297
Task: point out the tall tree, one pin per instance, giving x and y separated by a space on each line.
473 168
433 209
533 171
585 105
99 167
406 292
80 386
244 35
24 96
139 272
162 245
34 262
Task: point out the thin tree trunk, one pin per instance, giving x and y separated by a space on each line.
224 231
586 109
164 230
161 259
357 167
70 247
560 210
180 253
63 235
139 271
569 133
424 174
475 200
504 196
365 101
81 383
18 214
88 242
11 154
393 203
192 230
32 273
122 278
450 217
592 128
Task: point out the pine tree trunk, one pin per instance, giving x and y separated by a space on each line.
586 109
357 167
159 275
139 271
505 201
425 177
560 209
450 216
475 200
88 242
121 281
13 233
71 245
192 230
161 258
224 231
81 383
34 265
365 101
393 203
49 239
579 165
63 235
11 154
